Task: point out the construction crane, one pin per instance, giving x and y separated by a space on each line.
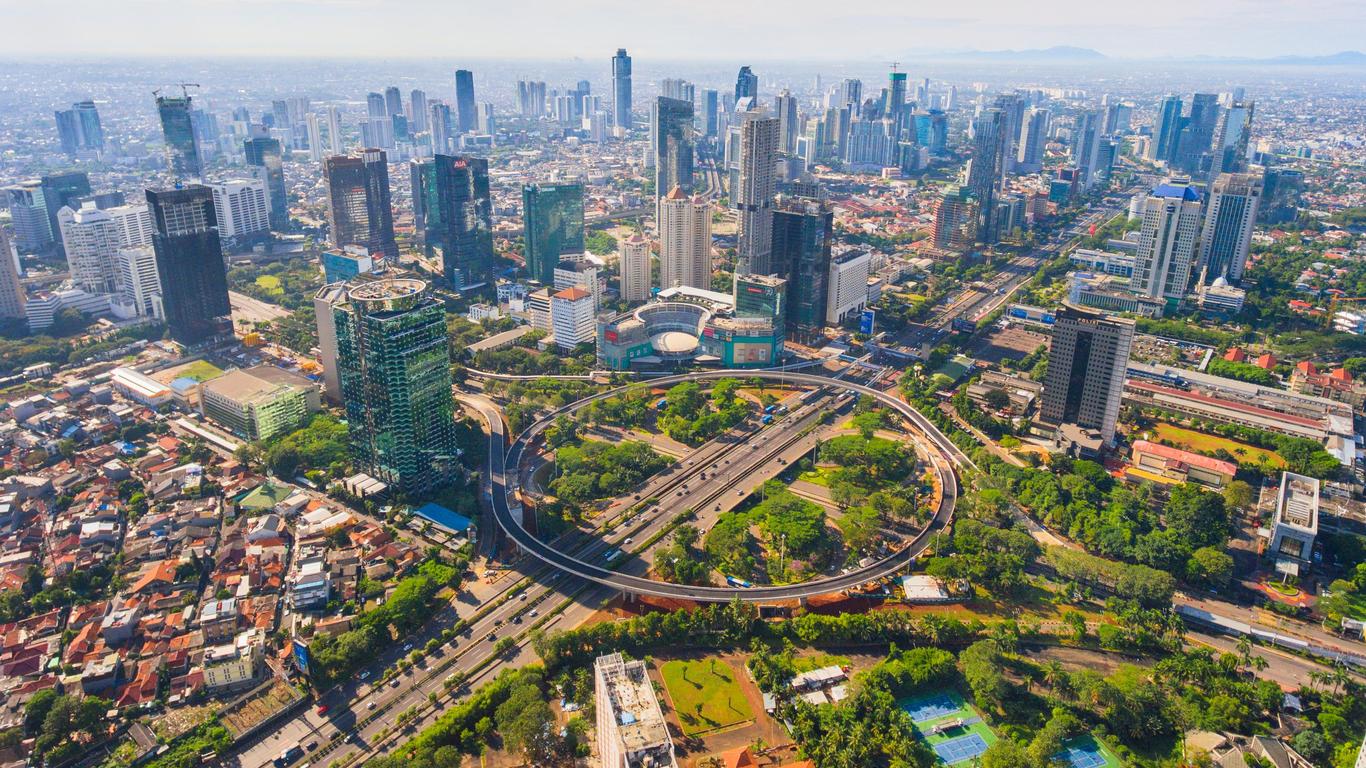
184 89
1333 307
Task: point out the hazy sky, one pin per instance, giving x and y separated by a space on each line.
681 29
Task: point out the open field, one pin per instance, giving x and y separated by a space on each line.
1200 442
704 694
269 283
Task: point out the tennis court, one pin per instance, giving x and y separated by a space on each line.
960 749
931 708
1086 752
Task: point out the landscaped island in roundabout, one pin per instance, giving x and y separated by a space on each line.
760 485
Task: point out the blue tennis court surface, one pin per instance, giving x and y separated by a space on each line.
960 749
1083 757
931 708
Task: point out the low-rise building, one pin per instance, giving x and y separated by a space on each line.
1165 464
259 403
236 664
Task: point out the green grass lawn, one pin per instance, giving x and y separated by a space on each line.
705 695
808 663
818 476
270 284
201 370
1199 442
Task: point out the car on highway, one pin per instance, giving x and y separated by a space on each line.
288 756
393 683
407 647
523 595
310 746
370 704
493 636
626 540
365 675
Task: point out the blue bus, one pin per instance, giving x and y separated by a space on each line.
741 583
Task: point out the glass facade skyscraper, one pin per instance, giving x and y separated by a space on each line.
673 145
194 282
621 90
264 152
552 216
393 364
177 128
63 189
802 231
359 210
466 113
454 216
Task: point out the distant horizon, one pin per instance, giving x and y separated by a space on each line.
703 30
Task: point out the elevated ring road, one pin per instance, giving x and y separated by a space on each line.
944 455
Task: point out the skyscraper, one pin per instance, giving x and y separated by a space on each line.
12 297
633 269
895 97
1013 107
710 112
1034 136
984 172
1197 133
334 131
466 114
1281 196
91 239
62 190
956 218
139 283
552 226
671 126
1166 241
752 194
316 150
1232 138
684 241
802 233
441 122
746 85
1167 130
358 205
177 128
1087 360
788 126
32 230
621 91
1229 222
264 153
454 215
79 128
189 257
393 101
1086 141
393 361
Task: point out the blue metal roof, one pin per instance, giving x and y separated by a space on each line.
1181 191
443 517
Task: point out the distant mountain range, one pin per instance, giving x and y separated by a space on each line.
1073 54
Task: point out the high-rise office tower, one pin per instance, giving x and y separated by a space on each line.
850 92
710 112
633 269
359 211
79 128
1033 139
62 190
803 230
895 96
956 218
91 240
487 122
194 282
279 110
552 226
684 241
1197 133
1013 105
1087 361
671 126
1166 130
12 296
454 215
441 122
752 194
1086 141
1117 115
138 280
1166 241
746 85
621 91
466 114
242 208
316 150
393 101
1229 222
1281 196
375 106
417 111
531 98
28 211
788 126
1232 138
984 170
334 131
394 372
264 153
182 151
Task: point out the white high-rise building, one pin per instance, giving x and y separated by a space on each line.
572 318
91 239
1166 241
134 223
685 241
847 286
1229 222
788 126
241 207
633 269
1033 138
139 283
756 184
334 131
631 729
1086 146
315 137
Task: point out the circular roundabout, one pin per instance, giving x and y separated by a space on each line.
943 455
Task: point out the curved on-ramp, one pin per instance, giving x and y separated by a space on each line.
943 455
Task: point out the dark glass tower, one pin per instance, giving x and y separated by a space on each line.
621 90
194 283
802 231
466 113
552 216
177 128
393 365
454 216
358 205
63 189
264 152
746 84
673 145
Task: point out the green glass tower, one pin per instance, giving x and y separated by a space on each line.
552 217
454 216
182 152
264 152
393 363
